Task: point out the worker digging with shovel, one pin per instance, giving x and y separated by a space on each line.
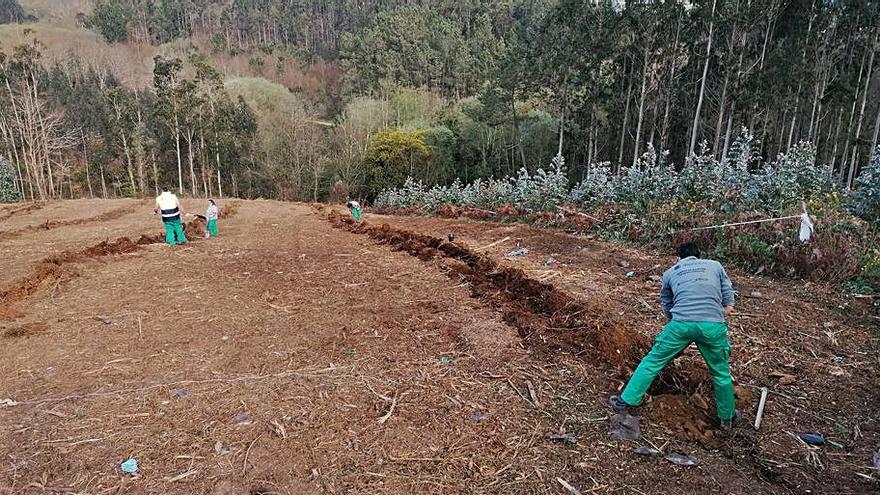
696 297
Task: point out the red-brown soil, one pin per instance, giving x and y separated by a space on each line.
289 356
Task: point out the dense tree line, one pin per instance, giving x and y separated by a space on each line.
480 88
612 77
314 26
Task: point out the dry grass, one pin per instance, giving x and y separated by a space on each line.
132 63
59 12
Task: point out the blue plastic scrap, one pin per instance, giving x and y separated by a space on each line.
813 438
130 466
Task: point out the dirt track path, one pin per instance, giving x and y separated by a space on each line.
358 369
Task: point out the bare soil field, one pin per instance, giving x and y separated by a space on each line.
298 353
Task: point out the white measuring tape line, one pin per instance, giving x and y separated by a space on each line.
718 226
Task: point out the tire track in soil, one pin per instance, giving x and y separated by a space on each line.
54 224
546 317
57 267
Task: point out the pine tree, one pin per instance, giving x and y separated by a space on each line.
8 192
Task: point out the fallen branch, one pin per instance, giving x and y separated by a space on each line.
572 211
248 453
182 476
509 381
532 394
488 212
387 415
493 244
568 486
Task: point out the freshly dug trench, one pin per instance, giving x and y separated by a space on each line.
16 210
544 315
57 267
547 318
54 224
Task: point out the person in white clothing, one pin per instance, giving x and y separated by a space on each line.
211 215
169 207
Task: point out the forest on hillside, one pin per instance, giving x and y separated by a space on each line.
436 91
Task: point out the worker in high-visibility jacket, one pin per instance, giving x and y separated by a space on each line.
169 207
696 297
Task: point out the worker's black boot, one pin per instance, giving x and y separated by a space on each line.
618 405
727 424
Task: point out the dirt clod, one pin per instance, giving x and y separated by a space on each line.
25 330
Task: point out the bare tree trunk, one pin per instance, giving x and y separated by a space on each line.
797 100
724 93
192 171
836 139
142 179
590 138
794 117
86 161
12 153
720 124
516 134
641 106
664 132
625 122
852 116
23 157
562 116
782 131
177 145
876 132
128 162
103 183
817 105
771 20
853 165
696 127
204 162
155 172
729 129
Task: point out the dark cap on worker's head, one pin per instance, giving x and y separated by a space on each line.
165 188
688 249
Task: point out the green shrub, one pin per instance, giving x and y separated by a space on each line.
866 197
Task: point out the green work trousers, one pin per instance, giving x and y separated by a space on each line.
356 214
711 340
174 232
212 228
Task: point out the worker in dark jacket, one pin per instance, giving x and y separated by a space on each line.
696 297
